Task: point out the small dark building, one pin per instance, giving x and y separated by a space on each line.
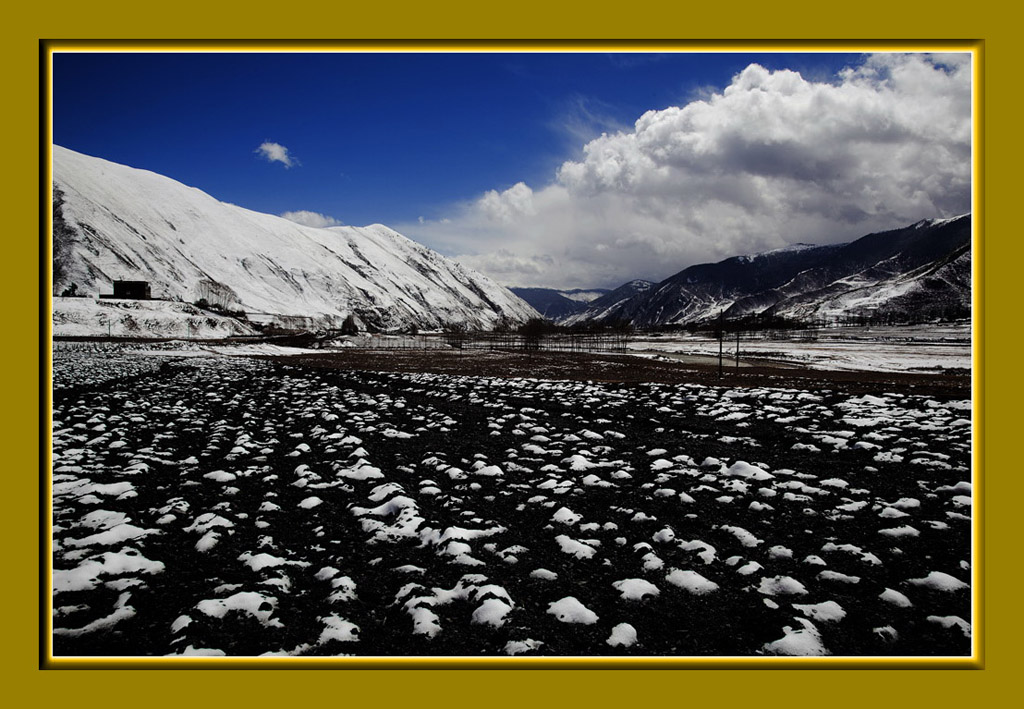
131 290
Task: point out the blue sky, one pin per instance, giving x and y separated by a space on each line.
422 141
379 137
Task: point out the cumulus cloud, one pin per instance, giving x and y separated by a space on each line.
308 218
508 206
275 152
771 159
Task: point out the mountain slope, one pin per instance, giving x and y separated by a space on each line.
611 305
922 270
113 222
938 289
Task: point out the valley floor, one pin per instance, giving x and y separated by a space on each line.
933 348
313 505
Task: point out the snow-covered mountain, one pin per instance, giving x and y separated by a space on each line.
113 222
920 271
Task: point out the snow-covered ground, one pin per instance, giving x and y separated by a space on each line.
919 348
209 505
96 317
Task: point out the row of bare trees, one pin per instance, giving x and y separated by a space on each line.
539 334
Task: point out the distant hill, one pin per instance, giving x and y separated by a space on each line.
921 271
557 304
608 307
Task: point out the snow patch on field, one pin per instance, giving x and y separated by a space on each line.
570 610
691 581
803 641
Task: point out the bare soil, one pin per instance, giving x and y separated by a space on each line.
613 368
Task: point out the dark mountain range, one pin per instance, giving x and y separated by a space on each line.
608 307
922 271
559 304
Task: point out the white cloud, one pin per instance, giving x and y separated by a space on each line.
508 206
308 218
275 152
769 160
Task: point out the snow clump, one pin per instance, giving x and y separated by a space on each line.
570 610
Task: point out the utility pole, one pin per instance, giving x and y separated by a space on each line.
737 349
721 340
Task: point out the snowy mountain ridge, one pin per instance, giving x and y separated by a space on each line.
919 271
938 222
790 248
113 222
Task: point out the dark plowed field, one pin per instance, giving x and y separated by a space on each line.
632 369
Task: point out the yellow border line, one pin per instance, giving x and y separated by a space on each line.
46 251
503 662
974 47
504 46
978 352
